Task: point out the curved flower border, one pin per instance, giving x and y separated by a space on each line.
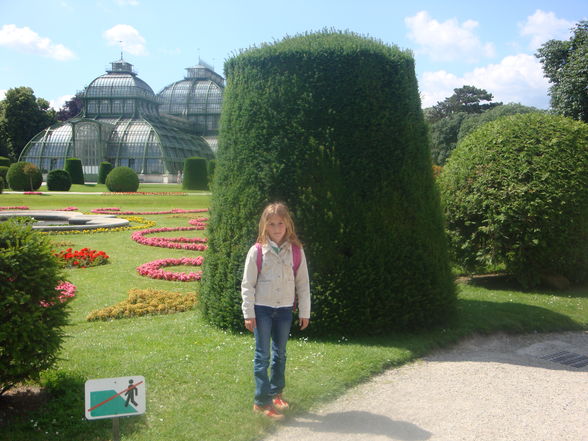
154 271
116 210
183 243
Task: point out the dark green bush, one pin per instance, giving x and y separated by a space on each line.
105 168
58 180
4 161
3 171
211 168
122 179
24 176
516 194
30 334
74 167
331 123
1 184
195 174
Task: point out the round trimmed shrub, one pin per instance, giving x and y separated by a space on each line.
516 194
331 123
122 179
74 167
24 176
195 174
4 161
58 180
103 170
30 333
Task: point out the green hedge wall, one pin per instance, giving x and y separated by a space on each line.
331 124
195 174
103 170
516 194
4 161
74 167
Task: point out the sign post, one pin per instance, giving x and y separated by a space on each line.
115 398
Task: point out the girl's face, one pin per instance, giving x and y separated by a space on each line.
276 228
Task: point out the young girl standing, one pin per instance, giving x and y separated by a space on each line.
274 279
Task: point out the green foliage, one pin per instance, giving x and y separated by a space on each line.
122 179
211 168
465 99
146 302
30 334
105 168
565 63
195 174
3 171
74 167
58 180
516 193
1 184
4 162
24 176
24 116
331 124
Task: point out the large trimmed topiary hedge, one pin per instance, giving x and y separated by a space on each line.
103 170
122 179
516 194
24 176
74 167
195 174
331 123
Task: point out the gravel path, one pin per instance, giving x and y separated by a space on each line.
499 388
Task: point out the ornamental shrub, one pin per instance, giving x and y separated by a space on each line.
516 194
74 167
105 168
195 174
1 184
24 176
122 179
331 124
211 167
4 161
58 180
3 171
30 334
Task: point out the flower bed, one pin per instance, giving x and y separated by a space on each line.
184 243
144 223
145 193
153 269
83 258
146 302
68 292
115 210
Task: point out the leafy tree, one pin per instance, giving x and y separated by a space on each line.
565 63
466 99
24 117
71 108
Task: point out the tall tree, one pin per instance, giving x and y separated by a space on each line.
565 63
71 108
24 117
466 99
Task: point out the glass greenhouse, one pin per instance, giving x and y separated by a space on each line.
120 123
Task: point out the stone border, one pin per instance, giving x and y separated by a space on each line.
75 219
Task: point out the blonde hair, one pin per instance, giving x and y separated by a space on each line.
277 209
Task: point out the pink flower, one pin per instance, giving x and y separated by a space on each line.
154 271
185 243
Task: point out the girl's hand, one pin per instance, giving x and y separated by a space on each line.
303 323
250 324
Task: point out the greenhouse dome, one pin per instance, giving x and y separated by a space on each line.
197 99
120 123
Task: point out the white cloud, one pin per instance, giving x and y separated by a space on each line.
2 93
58 103
127 36
543 26
448 40
27 40
517 78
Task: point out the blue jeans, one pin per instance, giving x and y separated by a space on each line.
272 324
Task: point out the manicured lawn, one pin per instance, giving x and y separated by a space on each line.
199 382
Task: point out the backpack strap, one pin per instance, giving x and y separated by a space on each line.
259 256
296 258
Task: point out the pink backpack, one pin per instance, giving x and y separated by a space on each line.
296 258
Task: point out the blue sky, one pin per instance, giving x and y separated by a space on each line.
57 47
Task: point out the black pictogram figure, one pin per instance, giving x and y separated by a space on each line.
130 394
